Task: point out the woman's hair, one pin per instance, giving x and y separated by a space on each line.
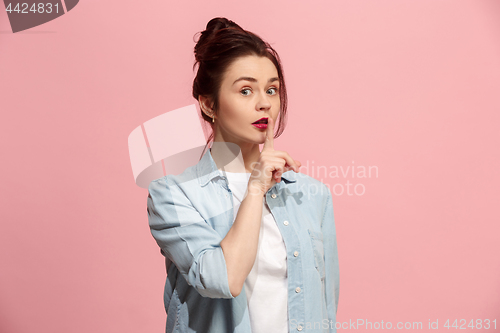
222 42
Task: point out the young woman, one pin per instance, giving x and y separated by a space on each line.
249 242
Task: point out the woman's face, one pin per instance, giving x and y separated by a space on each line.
249 92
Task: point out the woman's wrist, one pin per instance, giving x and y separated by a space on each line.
256 189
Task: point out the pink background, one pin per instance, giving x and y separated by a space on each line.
411 87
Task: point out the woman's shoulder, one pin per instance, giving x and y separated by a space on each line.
185 177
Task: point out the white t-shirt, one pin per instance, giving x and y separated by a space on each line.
266 285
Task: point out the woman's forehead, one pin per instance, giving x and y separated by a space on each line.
258 68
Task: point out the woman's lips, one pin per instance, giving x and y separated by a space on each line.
261 123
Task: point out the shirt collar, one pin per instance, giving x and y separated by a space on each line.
206 170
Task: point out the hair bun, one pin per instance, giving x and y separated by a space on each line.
218 23
213 27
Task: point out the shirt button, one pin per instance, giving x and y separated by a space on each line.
273 196
285 222
296 254
299 328
297 290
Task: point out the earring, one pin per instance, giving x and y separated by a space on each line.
213 120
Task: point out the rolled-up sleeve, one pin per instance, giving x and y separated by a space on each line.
187 239
331 258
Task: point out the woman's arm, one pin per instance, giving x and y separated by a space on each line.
215 267
187 239
241 241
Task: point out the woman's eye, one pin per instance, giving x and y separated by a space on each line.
275 90
246 90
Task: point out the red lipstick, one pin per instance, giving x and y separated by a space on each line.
261 123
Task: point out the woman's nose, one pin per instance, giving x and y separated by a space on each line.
263 102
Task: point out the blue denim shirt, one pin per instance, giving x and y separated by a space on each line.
189 215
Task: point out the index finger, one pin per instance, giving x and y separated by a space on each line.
269 143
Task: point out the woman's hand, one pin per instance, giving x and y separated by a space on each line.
271 165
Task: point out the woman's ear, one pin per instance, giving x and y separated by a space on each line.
205 105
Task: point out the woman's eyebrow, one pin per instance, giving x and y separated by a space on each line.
251 79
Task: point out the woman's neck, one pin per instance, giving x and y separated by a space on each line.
231 157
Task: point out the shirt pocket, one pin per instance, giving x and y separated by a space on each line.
319 252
